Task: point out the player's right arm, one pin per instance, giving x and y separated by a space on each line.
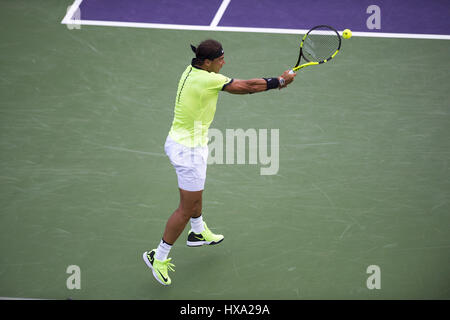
238 86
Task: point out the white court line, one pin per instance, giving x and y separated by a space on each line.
67 20
220 13
73 8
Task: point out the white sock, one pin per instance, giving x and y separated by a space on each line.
162 251
197 225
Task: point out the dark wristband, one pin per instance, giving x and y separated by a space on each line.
272 83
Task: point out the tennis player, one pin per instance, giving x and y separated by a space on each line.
187 146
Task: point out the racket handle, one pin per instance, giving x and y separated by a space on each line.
291 71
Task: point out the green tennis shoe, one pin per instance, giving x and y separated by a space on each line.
159 268
204 238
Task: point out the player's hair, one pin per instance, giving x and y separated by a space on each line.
208 49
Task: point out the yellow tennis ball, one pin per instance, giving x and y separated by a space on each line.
347 34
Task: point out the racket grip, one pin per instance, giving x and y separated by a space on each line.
291 71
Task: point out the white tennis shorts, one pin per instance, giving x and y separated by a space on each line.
189 164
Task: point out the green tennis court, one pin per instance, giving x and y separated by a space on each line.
363 176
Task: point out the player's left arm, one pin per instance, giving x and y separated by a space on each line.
237 86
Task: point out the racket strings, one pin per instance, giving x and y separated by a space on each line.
320 45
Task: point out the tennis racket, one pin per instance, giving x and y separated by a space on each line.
319 45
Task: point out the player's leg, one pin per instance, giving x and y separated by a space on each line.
200 234
190 206
190 166
157 259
